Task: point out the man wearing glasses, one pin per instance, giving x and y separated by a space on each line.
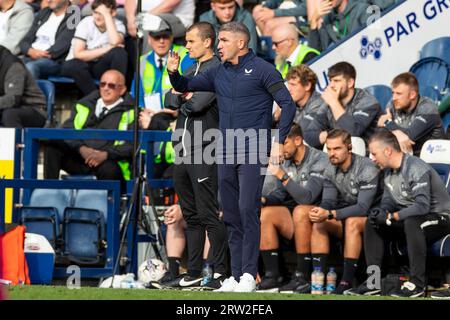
108 108
155 82
290 53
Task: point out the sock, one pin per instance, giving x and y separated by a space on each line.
350 266
304 263
270 259
174 267
320 260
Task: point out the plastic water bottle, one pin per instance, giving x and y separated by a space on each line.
128 284
207 274
317 281
331 281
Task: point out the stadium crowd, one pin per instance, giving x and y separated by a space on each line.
311 198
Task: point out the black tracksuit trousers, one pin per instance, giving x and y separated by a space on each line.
196 186
419 232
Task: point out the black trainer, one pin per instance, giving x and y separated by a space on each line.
159 284
409 290
362 290
269 284
184 282
298 284
342 287
443 295
214 283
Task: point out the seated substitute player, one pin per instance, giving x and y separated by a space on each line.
346 107
296 184
412 118
415 204
350 189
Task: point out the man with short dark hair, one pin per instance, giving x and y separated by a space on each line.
196 183
415 204
346 107
351 187
47 43
109 108
224 11
295 184
412 118
246 87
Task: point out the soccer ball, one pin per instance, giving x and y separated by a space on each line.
151 270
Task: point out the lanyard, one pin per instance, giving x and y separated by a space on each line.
337 25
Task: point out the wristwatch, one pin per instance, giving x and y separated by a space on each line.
387 122
284 177
330 215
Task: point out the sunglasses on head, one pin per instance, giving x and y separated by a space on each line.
112 86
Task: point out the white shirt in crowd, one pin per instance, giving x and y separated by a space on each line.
46 34
101 104
185 11
94 38
4 17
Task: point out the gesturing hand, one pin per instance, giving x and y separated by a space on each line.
173 61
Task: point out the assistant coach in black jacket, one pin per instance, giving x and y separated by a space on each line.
195 179
47 43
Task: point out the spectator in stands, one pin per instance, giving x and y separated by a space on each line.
224 11
182 9
413 119
346 107
273 13
415 203
96 47
155 82
333 20
351 188
290 52
109 108
383 4
291 188
16 18
47 43
22 103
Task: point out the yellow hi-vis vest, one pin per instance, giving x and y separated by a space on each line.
148 73
283 66
126 119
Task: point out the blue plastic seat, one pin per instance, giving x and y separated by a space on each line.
48 89
44 213
84 235
431 93
432 72
438 48
382 93
446 121
84 227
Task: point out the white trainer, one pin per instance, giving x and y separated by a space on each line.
246 284
228 285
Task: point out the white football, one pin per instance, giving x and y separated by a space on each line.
151 270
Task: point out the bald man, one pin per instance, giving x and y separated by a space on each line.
108 108
290 52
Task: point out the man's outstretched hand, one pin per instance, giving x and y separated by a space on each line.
173 61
